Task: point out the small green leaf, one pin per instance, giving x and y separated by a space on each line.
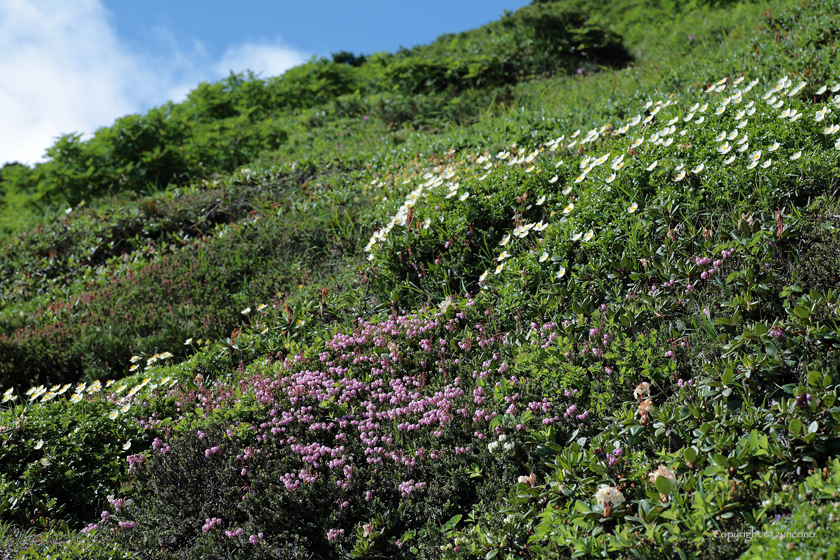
801 312
814 378
663 485
690 454
794 426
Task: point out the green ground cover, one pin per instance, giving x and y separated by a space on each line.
563 286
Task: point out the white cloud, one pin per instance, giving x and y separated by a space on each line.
65 70
263 58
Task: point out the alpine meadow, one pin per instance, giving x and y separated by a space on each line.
563 286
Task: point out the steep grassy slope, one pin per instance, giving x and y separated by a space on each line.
597 318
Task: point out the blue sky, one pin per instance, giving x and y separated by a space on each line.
75 66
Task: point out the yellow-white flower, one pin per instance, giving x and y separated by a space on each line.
767 163
589 235
561 272
76 398
569 207
505 240
246 311
785 114
744 147
725 148
720 110
464 196
540 200
739 115
127 446
688 117
699 168
577 236
502 256
664 472
580 178
796 156
135 359
567 190
720 137
637 142
700 120
633 207
132 368
680 176
499 268
755 156
729 160
703 108
733 135
114 414
261 306
553 180
752 165
544 257
832 129
40 444
743 139
540 226
652 166
483 276
773 147
611 178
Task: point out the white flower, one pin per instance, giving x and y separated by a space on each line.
608 495
699 168
540 226
580 178
569 207
642 390
832 129
652 166
577 236
680 176
561 273
611 178
637 142
589 235
540 200
743 139
567 190
744 147
499 268
796 156
505 240
720 137
755 156
774 147
502 256
733 135
821 90
767 163
553 180
246 311
633 207
483 276
663 471
40 444
544 257
127 446
729 160
700 120
725 148
464 196
752 165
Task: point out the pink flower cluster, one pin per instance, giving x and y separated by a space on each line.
409 486
210 523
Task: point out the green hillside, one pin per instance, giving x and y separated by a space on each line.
563 286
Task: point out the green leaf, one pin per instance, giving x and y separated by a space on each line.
721 460
794 426
690 454
663 485
801 312
814 378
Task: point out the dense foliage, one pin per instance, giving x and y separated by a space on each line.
591 312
